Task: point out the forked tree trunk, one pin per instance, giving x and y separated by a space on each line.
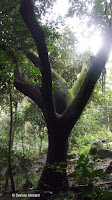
54 176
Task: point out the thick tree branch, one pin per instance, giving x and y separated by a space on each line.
28 15
28 89
33 57
77 84
31 91
73 112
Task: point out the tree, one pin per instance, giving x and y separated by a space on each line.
10 144
59 119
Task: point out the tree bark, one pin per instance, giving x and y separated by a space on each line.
54 176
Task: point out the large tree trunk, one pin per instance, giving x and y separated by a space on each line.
54 176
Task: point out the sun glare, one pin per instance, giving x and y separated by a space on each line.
93 43
60 7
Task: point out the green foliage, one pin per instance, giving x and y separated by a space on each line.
43 6
51 34
87 176
54 85
87 128
85 172
23 161
22 168
13 31
6 70
63 55
105 133
98 11
12 36
103 194
89 121
101 11
78 8
3 155
64 196
93 123
86 55
57 167
32 70
16 40
84 143
33 74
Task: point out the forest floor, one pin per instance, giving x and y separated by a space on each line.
78 189
100 164
105 164
99 188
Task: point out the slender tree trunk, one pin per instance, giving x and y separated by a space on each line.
11 137
10 144
14 123
41 136
54 176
